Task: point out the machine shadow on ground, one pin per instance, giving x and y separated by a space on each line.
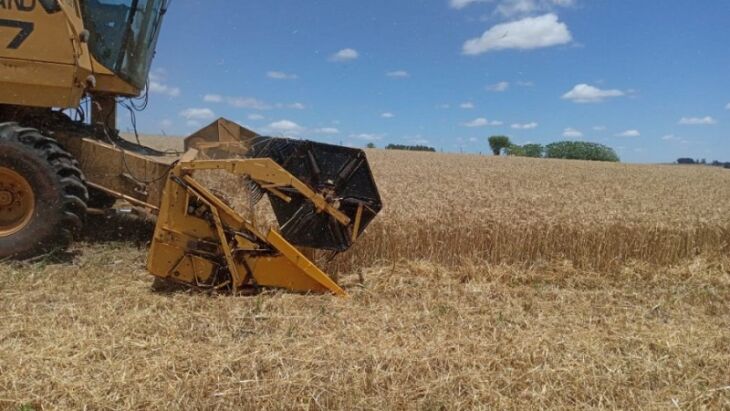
119 227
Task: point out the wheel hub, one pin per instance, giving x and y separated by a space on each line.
17 202
6 198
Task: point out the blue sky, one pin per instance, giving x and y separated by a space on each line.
649 78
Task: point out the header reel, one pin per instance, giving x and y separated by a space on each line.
341 175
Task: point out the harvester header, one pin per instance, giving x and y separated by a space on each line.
323 196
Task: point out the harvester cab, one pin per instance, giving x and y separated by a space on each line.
123 35
57 55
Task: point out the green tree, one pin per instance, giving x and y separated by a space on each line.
498 143
533 150
515 150
528 150
371 145
581 150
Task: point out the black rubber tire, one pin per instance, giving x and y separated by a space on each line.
59 187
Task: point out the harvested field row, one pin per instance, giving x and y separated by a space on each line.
413 336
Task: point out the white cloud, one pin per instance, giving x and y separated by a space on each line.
166 123
498 87
158 84
697 121
398 74
345 55
629 133
327 130
197 113
192 123
526 126
160 88
510 8
670 137
523 83
572 133
584 93
445 106
247 103
417 139
727 107
285 126
280 75
250 103
255 117
367 136
157 73
473 139
460 4
467 105
387 115
526 34
599 128
238 102
482 122
213 98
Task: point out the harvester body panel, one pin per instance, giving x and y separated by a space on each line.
53 52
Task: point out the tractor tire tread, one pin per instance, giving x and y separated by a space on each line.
74 193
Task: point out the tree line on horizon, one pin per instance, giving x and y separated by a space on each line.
703 162
567 150
406 147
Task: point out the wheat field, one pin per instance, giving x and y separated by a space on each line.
448 208
486 283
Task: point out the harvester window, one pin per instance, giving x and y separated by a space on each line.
124 35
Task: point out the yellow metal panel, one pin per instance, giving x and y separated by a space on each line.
184 270
280 272
42 60
138 176
172 262
305 266
232 266
203 268
222 131
166 258
192 269
243 244
41 84
358 219
47 36
109 83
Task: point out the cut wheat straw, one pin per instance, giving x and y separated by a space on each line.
485 283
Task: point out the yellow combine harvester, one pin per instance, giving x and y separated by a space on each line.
60 55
